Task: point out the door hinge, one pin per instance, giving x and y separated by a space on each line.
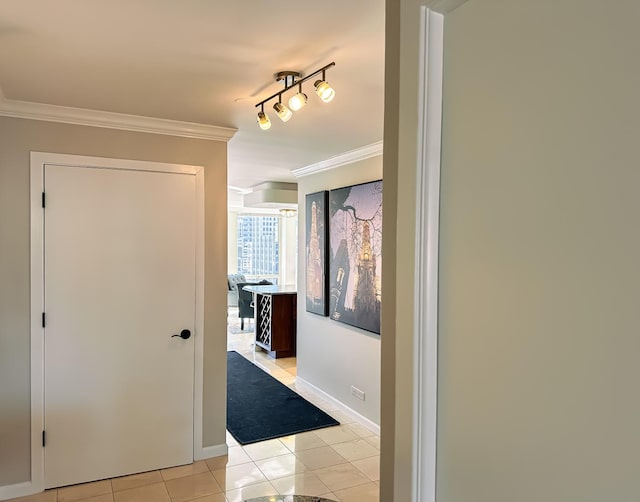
44 439
44 199
44 320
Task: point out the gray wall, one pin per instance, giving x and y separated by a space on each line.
539 247
397 443
331 355
17 138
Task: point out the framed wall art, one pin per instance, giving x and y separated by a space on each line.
356 255
317 252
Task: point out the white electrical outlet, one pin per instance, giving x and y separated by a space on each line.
355 392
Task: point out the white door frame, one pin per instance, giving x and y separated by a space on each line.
38 160
430 75
425 308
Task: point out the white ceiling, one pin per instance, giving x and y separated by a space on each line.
208 62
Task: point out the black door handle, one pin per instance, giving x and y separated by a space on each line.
185 334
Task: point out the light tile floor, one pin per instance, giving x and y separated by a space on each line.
340 463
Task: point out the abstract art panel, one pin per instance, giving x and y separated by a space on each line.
356 255
316 233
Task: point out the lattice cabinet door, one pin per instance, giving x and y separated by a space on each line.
263 324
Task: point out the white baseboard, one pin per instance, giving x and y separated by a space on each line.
362 420
18 490
211 451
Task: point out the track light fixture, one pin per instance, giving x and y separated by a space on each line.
324 91
263 120
292 79
297 101
283 112
288 213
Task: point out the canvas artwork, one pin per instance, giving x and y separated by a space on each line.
356 255
316 233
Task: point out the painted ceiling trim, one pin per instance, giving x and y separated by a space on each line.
362 153
111 120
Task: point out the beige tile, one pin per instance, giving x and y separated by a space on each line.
194 486
330 496
368 492
84 491
287 380
370 467
303 391
303 441
342 417
280 374
135 480
339 477
149 493
248 492
355 450
266 449
305 483
184 470
231 441
286 362
279 467
236 456
218 497
318 401
48 496
339 434
215 463
265 365
107 497
329 406
320 457
239 476
374 441
360 430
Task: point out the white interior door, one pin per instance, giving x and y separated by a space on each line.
119 282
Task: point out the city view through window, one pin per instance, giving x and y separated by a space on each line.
259 247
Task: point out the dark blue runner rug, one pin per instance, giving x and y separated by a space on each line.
260 408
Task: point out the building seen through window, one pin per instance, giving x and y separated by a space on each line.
259 247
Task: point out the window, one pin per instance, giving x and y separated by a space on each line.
259 247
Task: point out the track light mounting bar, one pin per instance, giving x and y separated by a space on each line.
290 75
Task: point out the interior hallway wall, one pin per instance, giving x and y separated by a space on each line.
289 251
18 137
539 246
331 355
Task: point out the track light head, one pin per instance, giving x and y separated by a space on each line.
263 121
297 101
324 90
283 112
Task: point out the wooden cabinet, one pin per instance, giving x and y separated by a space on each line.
276 323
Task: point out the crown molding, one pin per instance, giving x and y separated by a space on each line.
362 153
443 6
241 191
111 120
